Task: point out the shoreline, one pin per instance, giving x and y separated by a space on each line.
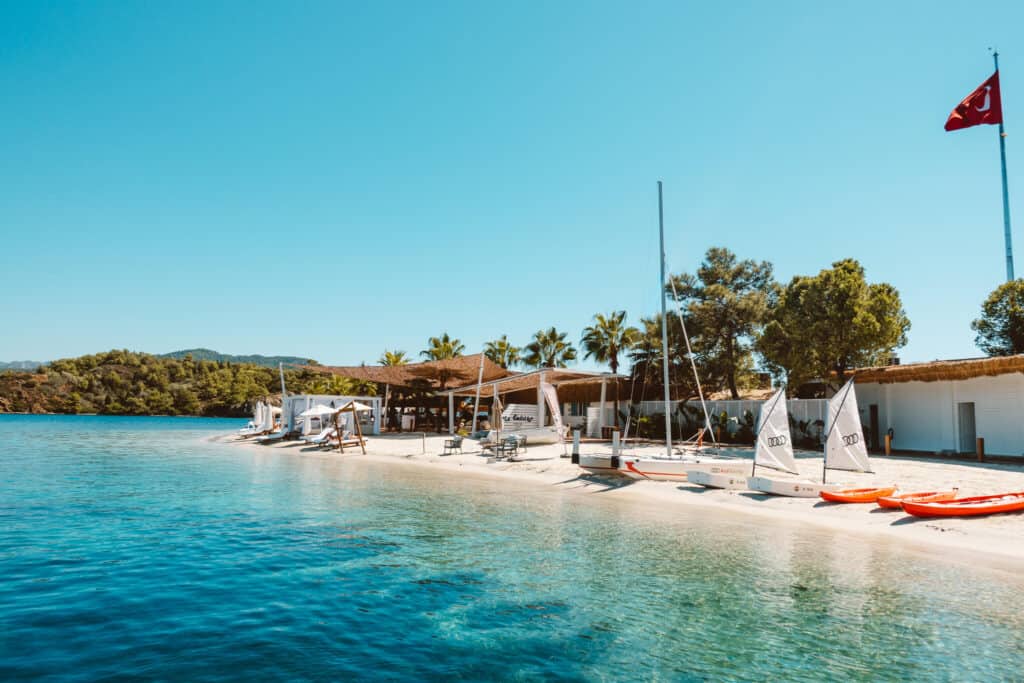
994 541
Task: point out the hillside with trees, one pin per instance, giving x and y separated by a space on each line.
253 359
129 383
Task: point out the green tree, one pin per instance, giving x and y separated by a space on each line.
443 348
393 358
832 322
728 300
549 349
603 341
1001 325
502 352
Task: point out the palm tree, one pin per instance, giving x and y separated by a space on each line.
605 340
393 358
502 352
443 348
549 349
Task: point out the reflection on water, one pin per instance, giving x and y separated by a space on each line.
126 544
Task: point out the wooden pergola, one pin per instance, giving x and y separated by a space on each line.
585 385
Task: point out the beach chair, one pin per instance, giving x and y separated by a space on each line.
276 436
452 445
508 448
321 437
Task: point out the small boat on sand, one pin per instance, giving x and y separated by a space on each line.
895 501
844 450
967 507
868 495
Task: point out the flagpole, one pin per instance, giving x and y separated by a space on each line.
1006 192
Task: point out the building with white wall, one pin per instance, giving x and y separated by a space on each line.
944 406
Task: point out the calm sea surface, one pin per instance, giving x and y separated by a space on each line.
132 547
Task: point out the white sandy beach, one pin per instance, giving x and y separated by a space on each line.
996 540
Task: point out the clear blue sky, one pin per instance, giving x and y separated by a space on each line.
328 179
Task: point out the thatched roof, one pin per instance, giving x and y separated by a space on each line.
940 370
568 383
455 371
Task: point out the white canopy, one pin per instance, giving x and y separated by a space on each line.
318 411
774 445
845 448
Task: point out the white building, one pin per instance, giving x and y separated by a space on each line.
296 404
946 405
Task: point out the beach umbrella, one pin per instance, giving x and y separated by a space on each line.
318 411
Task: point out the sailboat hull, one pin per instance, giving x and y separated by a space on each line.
793 488
600 464
718 480
676 469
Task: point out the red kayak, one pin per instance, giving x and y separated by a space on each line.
857 495
963 507
895 502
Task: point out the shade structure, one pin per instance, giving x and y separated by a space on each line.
431 374
318 411
350 406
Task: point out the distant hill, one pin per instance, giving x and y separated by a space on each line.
20 365
256 359
121 382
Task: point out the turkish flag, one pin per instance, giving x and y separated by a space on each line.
984 105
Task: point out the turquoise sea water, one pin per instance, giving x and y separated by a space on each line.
132 547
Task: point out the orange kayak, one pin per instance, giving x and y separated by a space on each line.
895 502
857 495
963 507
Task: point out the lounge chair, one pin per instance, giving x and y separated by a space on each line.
276 436
451 445
321 437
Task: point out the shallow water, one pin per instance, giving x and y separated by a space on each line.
132 547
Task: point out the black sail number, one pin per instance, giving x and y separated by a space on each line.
851 439
775 441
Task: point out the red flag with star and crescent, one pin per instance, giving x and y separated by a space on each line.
984 105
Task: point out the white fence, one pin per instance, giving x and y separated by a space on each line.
810 411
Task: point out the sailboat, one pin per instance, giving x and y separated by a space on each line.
672 467
844 450
773 447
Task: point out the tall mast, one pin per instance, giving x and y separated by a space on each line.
1006 191
664 327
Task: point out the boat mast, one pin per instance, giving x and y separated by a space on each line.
664 327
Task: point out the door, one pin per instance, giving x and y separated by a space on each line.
873 425
968 436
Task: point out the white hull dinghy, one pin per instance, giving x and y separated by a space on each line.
600 463
718 480
794 488
677 469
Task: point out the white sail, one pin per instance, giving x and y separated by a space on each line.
257 418
774 445
845 448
